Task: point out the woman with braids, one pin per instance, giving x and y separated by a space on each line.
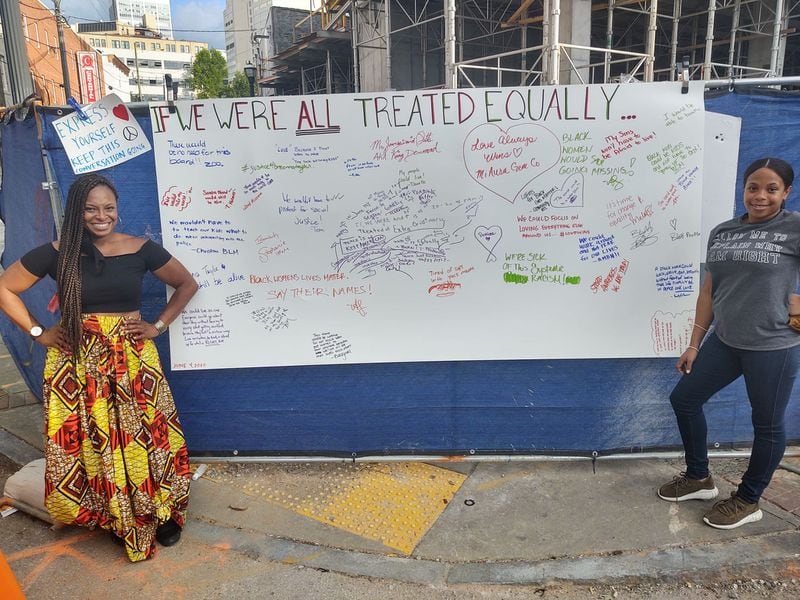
116 456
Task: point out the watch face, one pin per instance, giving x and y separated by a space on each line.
36 331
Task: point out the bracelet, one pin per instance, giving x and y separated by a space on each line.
160 326
701 327
695 348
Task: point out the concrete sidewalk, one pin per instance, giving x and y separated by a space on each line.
441 525
435 525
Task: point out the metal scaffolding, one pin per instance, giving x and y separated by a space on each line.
418 44
318 63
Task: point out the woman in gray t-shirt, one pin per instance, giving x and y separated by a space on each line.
752 269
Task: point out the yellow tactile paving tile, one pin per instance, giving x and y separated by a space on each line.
392 503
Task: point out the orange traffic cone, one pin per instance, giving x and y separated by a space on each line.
8 583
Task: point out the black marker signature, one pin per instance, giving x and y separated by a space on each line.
643 237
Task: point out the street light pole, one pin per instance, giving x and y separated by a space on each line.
256 39
250 73
62 49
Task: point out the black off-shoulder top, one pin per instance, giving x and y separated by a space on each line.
114 285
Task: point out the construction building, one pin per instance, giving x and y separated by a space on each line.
372 45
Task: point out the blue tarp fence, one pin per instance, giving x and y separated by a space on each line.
503 407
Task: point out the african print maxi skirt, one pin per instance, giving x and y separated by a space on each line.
116 455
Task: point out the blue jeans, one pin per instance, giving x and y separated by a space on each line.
769 377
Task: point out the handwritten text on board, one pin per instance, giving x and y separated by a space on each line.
433 225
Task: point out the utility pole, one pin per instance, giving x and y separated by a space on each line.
62 50
19 73
136 64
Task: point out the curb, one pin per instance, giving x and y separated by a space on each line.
777 550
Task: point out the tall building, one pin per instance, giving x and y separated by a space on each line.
130 12
238 16
247 29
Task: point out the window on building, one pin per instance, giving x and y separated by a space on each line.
103 43
129 62
25 25
144 63
170 47
153 81
156 63
126 45
115 43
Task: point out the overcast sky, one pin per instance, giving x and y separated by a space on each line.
191 19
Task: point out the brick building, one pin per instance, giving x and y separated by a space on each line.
41 41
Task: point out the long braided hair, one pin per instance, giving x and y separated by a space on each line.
73 241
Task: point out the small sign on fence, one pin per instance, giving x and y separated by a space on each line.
101 135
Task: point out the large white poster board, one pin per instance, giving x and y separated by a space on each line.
509 223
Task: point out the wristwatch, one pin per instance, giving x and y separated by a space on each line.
36 331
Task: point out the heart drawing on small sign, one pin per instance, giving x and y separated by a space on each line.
570 194
121 112
505 161
489 237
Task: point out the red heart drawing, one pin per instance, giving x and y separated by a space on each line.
505 161
120 112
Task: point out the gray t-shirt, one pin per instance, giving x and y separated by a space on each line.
754 267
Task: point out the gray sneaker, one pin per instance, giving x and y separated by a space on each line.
732 512
685 488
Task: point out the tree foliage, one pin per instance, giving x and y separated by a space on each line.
238 87
207 73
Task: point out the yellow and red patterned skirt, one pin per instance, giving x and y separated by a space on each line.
116 455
